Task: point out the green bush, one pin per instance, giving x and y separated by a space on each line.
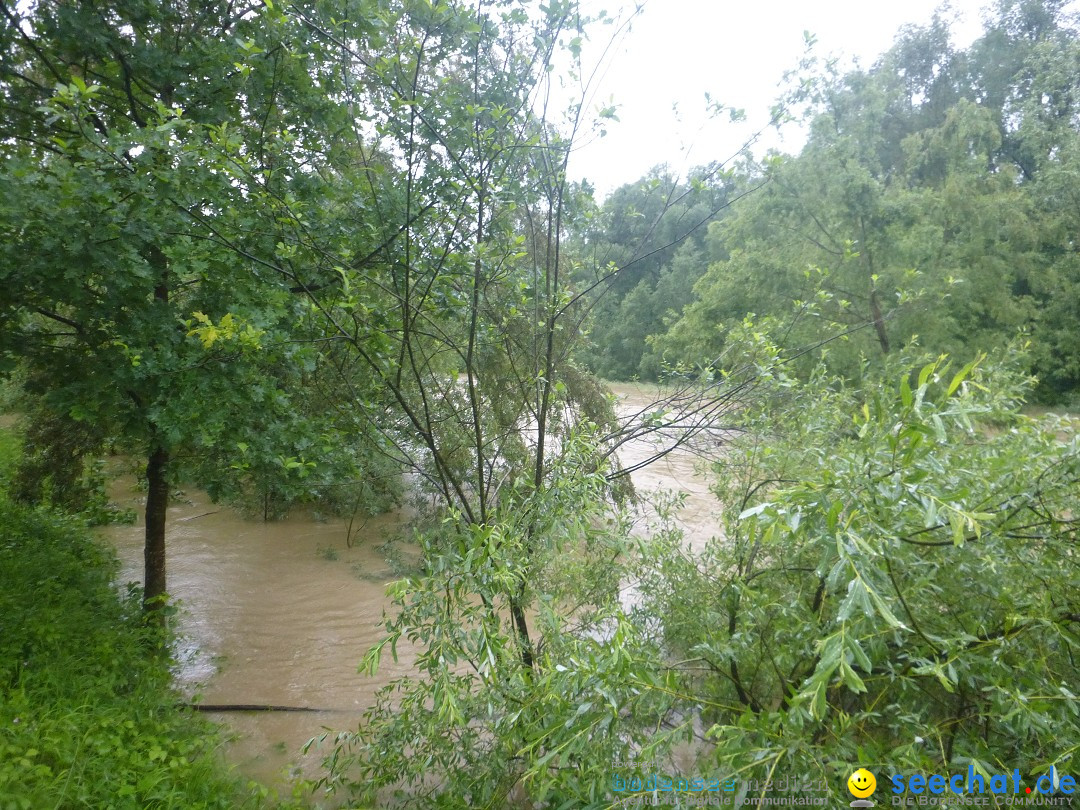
87 715
897 586
9 453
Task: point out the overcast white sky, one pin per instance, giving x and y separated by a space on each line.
738 52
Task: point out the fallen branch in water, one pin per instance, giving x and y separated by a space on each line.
194 517
251 707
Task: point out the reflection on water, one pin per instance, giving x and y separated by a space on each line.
281 613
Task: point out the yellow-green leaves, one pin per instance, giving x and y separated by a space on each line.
231 330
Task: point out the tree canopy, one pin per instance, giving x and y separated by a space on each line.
928 204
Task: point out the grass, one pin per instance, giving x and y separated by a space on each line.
88 717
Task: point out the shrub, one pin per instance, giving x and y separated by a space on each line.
898 584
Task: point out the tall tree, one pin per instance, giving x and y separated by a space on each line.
108 237
652 232
431 245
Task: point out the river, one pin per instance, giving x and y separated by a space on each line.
281 613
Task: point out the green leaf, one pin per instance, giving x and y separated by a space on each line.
753 511
858 653
962 375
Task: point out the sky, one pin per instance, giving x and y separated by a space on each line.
679 50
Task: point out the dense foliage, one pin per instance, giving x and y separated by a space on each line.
935 197
132 290
896 582
303 250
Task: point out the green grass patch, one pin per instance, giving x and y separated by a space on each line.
9 450
88 717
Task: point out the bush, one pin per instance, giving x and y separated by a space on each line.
474 724
59 465
898 585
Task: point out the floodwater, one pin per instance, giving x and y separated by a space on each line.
679 471
275 614
282 613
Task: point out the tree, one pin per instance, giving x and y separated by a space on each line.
457 300
920 206
652 231
429 239
109 263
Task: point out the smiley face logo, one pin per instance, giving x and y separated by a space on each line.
862 784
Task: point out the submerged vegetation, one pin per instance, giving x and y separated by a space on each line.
328 252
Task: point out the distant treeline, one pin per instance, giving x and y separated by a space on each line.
935 201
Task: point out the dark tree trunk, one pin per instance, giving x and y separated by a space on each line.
157 503
876 316
523 634
879 322
157 482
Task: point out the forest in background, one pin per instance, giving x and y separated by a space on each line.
935 199
327 254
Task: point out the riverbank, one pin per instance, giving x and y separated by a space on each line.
281 613
88 714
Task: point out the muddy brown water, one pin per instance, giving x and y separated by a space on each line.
282 613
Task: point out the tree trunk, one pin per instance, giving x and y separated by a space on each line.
523 634
157 503
879 322
157 482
